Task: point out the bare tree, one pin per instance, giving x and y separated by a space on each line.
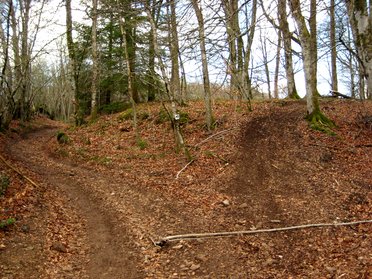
332 35
308 41
79 109
175 83
129 73
95 71
203 51
287 43
277 64
180 143
360 17
6 77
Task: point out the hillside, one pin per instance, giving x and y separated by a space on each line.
101 199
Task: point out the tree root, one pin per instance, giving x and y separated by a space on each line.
319 122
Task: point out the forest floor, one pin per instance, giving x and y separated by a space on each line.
101 199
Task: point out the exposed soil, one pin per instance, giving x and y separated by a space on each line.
100 200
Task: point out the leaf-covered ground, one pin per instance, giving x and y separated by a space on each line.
102 198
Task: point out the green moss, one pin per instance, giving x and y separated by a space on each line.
128 115
319 122
184 118
115 107
62 138
162 117
295 95
4 184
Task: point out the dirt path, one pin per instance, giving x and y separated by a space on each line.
111 253
107 217
117 219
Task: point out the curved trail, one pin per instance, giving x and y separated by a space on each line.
119 219
112 253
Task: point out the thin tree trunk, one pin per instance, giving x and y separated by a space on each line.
277 64
123 30
315 116
231 39
206 83
287 43
247 83
6 79
79 110
360 18
180 143
94 108
174 51
332 35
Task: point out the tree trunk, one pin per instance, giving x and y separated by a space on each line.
206 83
247 83
277 64
174 51
6 78
315 116
231 39
360 18
265 62
287 43
94 108
25 106
332 34
79 110
180 143
129 72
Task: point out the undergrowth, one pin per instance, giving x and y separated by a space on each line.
4 224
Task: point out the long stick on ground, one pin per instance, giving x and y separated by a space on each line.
19 172
191 236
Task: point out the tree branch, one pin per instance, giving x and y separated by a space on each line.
191 236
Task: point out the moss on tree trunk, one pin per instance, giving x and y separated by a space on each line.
318 121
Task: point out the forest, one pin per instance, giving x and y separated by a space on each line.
114 53
185 139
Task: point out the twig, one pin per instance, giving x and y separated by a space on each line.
191 236
212 136
181 170
17 171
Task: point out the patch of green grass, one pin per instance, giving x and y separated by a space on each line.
81 151
142 144
4 224
102 160
162 117
62 152
209 153
4 183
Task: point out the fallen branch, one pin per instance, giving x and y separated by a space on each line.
18 172
338 94
191 236
179 172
